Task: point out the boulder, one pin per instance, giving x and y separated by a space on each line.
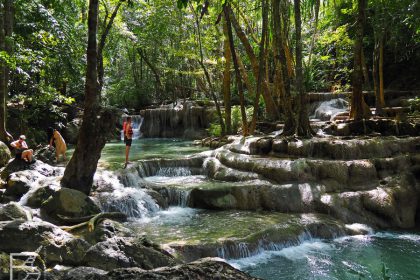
118 252
13 211
69 203
204 269
40 195
20 165
55 245
45 154
5 154
103 230
20 183
82 272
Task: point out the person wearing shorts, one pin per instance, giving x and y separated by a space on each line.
128 138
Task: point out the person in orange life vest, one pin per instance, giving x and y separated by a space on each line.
128 138
21 149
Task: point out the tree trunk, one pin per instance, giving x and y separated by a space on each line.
102 44
359 109
268 99
281 73
237 71
381 73
311 48
97 122
226 79
261 65
159 85
207 75
303 127
6 30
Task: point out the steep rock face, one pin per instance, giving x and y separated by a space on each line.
186 120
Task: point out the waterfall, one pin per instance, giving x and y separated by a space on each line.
240 250
112 195
136 122
327 110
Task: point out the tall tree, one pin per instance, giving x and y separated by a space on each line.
226 79
97 122
226 9
359 108
261 64
303 127
6 29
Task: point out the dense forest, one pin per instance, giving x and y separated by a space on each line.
199 139
257 59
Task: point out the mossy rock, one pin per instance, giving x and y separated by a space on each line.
5 154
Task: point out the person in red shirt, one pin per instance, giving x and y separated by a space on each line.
128 138
21 149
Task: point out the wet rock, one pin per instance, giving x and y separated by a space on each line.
69 203
13 211
209 268
120 252
19 183
5 154
41 195
45 154
158 197
104 230
56 245
83 272
38 166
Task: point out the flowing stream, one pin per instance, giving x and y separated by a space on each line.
268 245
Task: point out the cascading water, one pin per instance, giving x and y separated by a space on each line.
112 195
136 122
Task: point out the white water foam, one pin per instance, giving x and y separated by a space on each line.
300 251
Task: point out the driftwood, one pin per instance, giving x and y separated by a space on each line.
91 221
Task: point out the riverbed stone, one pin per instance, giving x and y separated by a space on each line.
40 195
28 236
5 154
70 203
13 211
118 252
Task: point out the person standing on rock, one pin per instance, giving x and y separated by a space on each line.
60 145
128 138
21 149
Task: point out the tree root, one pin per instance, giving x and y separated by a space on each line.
91 221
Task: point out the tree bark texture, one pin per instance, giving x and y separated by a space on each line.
281 73
303 127
261 65
359 108
207 75
102 43
96 124
268 99
237 71
6 30
226 79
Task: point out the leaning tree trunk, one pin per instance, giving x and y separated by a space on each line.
359 108
6 29
97 122
303 127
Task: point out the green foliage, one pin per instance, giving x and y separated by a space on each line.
215 130
414 104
